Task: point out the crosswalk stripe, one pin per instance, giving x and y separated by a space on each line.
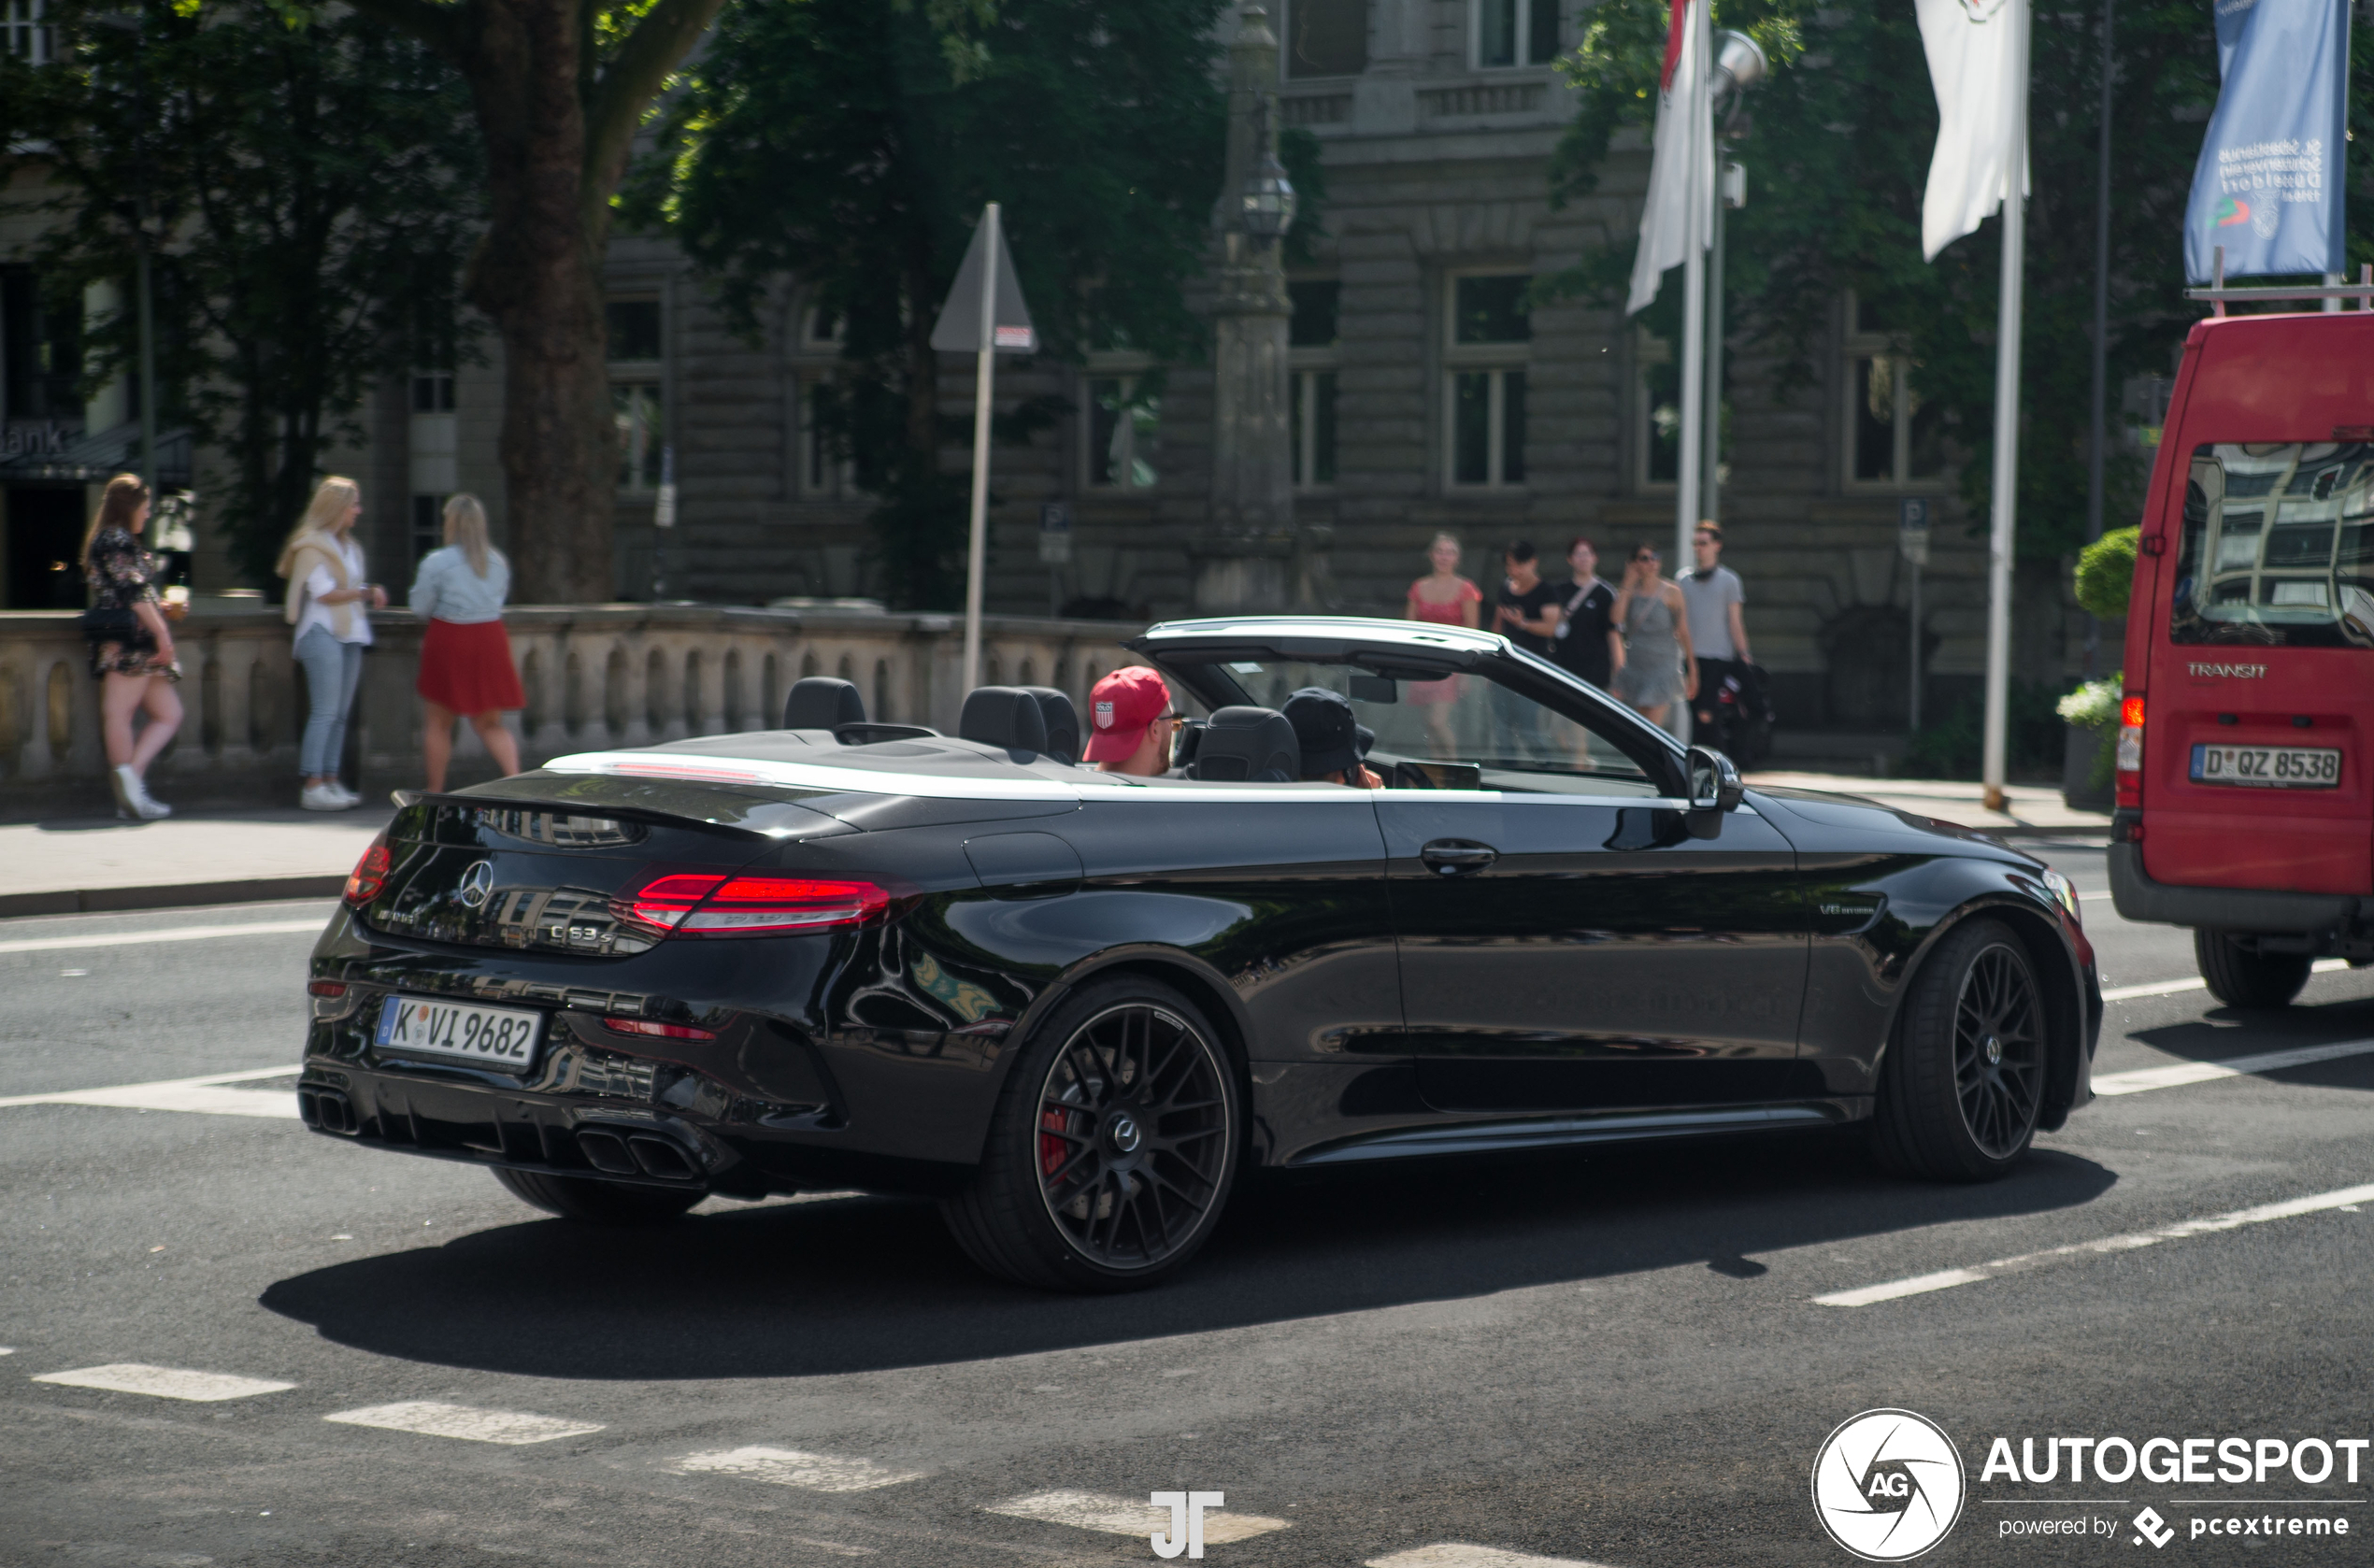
791 1467
1122 1516
163 1382
1459 1554
206 1094
2173 987
179 933
2184 1072
434 1418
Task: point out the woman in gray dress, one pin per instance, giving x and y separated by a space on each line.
1657 666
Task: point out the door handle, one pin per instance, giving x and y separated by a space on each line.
1454 857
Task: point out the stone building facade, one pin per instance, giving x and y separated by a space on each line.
1427 399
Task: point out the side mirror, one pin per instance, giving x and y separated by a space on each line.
1714 781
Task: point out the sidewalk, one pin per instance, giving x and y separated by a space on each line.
88 865
2029 808
92 864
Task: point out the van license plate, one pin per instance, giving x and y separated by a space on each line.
489 1036
2272 768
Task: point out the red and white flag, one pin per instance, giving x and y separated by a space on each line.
1682 166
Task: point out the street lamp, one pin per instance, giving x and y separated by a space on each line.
1739 64
1267 204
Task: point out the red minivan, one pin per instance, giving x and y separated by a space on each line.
2246 748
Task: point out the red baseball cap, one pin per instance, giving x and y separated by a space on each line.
1119 710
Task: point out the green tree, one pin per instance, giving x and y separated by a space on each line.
310 195
1837 143
830 140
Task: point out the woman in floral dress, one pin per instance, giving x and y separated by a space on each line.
137 669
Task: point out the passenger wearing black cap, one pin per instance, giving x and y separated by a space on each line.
1333 742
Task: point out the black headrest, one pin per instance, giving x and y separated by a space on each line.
1062 721
1245 745
822 702
1006 715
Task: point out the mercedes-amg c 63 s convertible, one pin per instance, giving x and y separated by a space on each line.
1072 1006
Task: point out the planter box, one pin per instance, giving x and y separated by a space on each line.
2080 752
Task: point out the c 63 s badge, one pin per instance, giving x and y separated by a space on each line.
1888 1485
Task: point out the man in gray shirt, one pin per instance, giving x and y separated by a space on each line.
1718 636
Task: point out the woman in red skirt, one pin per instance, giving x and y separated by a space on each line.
465 658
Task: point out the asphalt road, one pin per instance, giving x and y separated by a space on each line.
1613 1358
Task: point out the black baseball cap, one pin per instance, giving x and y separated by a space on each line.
1331 739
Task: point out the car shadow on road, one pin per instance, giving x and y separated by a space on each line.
2221 1034
861 1284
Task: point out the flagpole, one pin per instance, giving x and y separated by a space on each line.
1693 336
2007 412
984 377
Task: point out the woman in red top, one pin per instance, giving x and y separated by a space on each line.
1447 599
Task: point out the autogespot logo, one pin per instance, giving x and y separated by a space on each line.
1888 1485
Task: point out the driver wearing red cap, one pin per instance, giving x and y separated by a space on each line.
1130 723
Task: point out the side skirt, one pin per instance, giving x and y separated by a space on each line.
1560 1131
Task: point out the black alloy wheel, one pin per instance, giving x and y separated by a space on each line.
2241 974
597 1203
1964 1079
1113 1149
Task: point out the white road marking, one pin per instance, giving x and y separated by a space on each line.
181 1094
164 1382
435 1419
1459 1554
176 934
789 1467
2233 1067
1946 1279
2173 987
1122 1516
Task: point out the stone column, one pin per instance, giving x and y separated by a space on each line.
1249 555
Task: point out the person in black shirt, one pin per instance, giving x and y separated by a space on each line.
1526 613
1585 642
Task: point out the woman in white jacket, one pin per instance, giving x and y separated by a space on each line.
466 655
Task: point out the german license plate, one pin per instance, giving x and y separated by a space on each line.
2271 767
500 1037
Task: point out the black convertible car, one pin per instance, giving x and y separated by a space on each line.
1072 1005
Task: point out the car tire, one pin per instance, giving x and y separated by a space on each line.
1963 1078
2240 977
1112 1147
597 1203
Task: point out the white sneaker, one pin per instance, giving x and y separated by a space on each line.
126 785
147 805
320 797
346 794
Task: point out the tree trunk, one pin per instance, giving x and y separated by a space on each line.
537 277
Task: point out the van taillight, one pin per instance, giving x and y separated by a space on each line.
370 873
686 904
2130 752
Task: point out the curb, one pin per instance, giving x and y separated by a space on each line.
170 896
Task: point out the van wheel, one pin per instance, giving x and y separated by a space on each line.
2242 977
597 1203
1965 1077
1112 1147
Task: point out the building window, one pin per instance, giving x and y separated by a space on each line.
1125 432
1311 352
1326 37
433 453
432 392
821 328
824 475
1515 31
1656 405
1893 439
428 524
42 349
1490 338
638 389
25 30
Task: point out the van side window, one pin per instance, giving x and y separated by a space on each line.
2278 546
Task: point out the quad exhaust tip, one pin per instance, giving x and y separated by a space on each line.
635 1154
326 1110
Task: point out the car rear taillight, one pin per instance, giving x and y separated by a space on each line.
694 903
332 989
657 1030
370 873
2130 752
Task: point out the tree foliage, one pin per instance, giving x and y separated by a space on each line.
311 190
1836 142
834 141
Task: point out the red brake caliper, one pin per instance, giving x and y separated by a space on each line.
1052 1150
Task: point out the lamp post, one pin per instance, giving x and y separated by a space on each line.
130 22
1739 64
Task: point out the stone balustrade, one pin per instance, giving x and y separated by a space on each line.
596 675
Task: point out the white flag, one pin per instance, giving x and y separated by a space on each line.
1968 43
1681 207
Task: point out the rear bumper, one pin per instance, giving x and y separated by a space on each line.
2139 898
